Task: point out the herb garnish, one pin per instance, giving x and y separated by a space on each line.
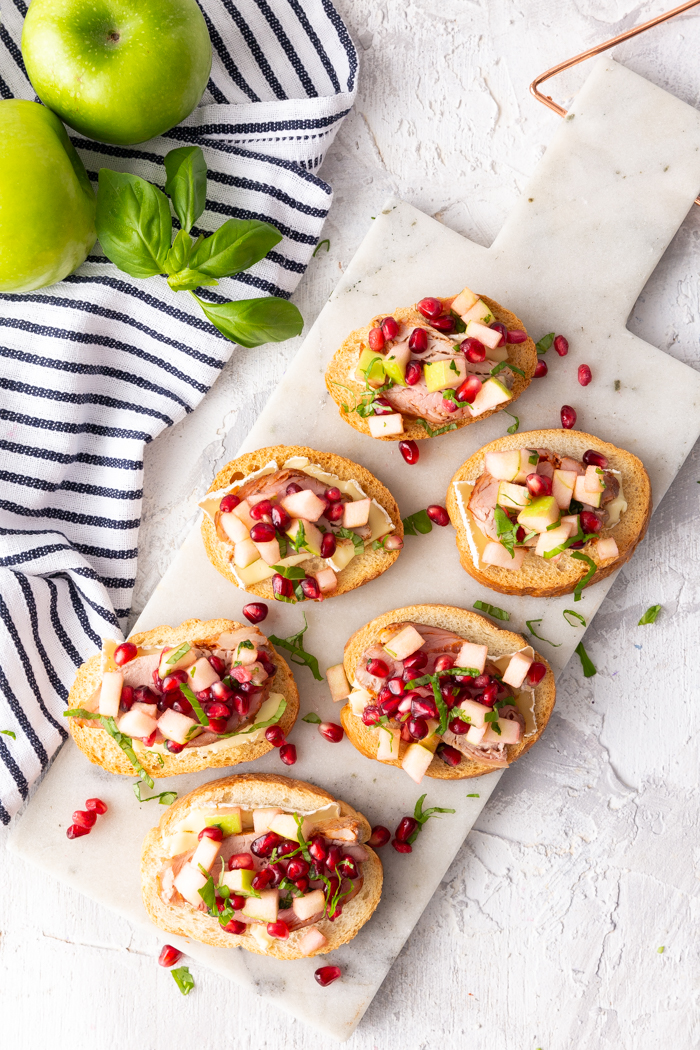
497 369
290 572
417 523
123 741
435 433
459 325
492 610
532 631
295 645
513 429
166 798
422 816
178 654
8 732
586 663
348 534
589 575
258 725
183 979
312 717
474 795
245 644
544 344
506 529
433 680
570 612
579 537
320 245
196 706
650 615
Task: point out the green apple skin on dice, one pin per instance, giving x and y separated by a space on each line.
118 71
47 205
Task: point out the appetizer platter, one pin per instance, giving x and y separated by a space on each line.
556 265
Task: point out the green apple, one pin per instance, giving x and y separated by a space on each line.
118 71
47 205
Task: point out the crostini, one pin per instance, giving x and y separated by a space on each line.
287 861
295 524
436 366
443 693
177 699
548 512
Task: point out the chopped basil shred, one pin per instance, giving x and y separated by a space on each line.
586 663
417 523
123 741
492 610
157 757
312 717
429 430
183 979
258 725
178 654
650 615
589 575
196 706
166 798
532 631
422 816
474 795
294 644
570 612
290 572
506 364
348 534
506 530
320 245
8 732
515 426
544 344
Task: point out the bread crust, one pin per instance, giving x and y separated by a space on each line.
539 577
103 751
472 628
250 790
341 368
360 570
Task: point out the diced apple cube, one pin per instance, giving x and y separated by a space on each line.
478 312
326 580
472 655
181 842
202 675
492 393
188 882
110 693
416 761
563 482
505 466
242 511
517 669
510 732
464 301
489 337
497 555
235 529
206 853
547 541
228 818
389 738
246 656
343 555
497 354
404 643
264 907
312 536
245 553
607 549
261 936
474 712
582 494
433 738
475 734
385 426
240 880
310 941
136 724
358 700
269 551
571 523
186 660
593 479
338 682
308 905
510 495
541 513
356 513
285 825
304 504
146 709
262 818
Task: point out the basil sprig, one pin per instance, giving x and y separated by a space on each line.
492 610
123 741
650 615
196 706
294 644
417 523
135 229
532 631
183 979
422 816
587 664
290 572
166 798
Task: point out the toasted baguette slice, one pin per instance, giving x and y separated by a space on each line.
362 569
538 576
250 791
471 627
346 390
103 751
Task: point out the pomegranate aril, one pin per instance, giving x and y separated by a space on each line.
297 869
222 692
376 339
498 326
584 374
409 451
288 754
278 873
263 845
85 818
469 389
169 955
144 695
218 725
473 350
382 407
157 681
279 930
482 681
377 668
149 740
421 708
390 707
429 307
310 588
371 715
348 868
418 341
539 485
261 510
292 487
402 847
241 860
173 747
594 459
418 728
590 522
328 545
536 673
444 324
448 754
262 532
395 686
516 335
458 727
124 653
407 825
413 373
325 975
335 512
390 328
489 695
174 680
263 879
182 706
379 837
76 831
287 846
302 884
385 693
444 663
561 345
438 515
229 503
214 833
235 926
540 369
217 664
416 661
333 857
331 731
274 736
218 710
127 697
282 587
568 417
318 848
97 805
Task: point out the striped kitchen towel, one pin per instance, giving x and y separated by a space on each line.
95 367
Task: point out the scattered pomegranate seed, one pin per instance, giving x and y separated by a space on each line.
173 747
331 731
241 860
409 451
278 873
482 681
214 833
377 668
282 587
421 708
333 495
229 503
127 698
280 519
263 879
489 695
218 725
430 308
594 459
443 324
328 545
407 825
261 510
395 686
444 663
221 691
469 389
124 653
458 727
310 588
402 847
262 532
379 837
418 728
97 805
76 831
584 375
149 740
539 485
561 345
86 818
449 754
292 487
263 845
173 681
473 350
376 339
568 417
217 664
325 975
416 661
288 754
371 715
390 328
414 371
318 848
418 341
169 955
540 369
182 706
438 515
235 926
335 512
536 673
590 522
297 869
498 326
516 335
390 706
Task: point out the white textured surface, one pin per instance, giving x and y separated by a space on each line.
583 864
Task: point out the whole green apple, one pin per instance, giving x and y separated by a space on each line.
118 71
47 205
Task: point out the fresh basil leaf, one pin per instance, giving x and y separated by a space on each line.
506 530
178 654
320 245
208 892
570 612
534 457
580 537
294 644
8 732
513 429
183 979
459 325
290 572
179 253
252 322
544 344
589 575
442 707
650 615
236 246
283 541
417 523
187 280
575 507
586 663
492 610
312 718
299 821
133 223
506 364
245 644
532 631
348 534
165 798
196 706
186 183
429 430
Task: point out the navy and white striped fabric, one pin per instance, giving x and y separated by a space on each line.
93 368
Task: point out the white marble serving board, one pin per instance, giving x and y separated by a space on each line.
612 189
